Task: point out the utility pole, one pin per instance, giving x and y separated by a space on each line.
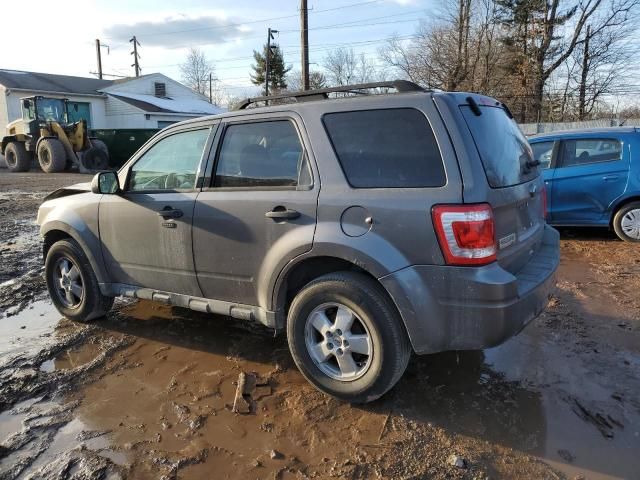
136 63
266 63
304 40
210 88
99 58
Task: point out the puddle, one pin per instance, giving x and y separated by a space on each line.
27 332
73 357
565 384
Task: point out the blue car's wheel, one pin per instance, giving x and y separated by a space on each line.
626 222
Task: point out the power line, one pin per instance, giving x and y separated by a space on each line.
263 20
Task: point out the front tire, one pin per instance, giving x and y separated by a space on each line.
626 222
72 284
52 155
17 157
347 338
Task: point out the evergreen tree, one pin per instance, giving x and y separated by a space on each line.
277 69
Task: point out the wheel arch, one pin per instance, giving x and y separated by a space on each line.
6 140
55 231
619 203
299 273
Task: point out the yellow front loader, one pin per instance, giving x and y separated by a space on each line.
45 132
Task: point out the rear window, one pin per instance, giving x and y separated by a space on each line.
503 149
392 148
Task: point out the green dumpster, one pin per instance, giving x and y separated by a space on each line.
122 143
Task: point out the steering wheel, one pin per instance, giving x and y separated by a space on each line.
171 181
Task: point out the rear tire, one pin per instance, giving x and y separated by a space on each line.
17 157
95 159
331 358
72 284
101 145
52 155
626 222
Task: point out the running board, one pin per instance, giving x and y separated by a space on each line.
205 305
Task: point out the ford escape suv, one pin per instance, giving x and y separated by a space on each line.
365 227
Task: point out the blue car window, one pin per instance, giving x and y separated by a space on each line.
590 150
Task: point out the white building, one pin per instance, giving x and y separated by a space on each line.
150 101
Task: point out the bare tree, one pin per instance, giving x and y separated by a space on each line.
345 67
196 70
317 80
457 51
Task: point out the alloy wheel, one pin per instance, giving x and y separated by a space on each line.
338 342
68 283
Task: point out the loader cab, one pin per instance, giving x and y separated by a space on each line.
45 109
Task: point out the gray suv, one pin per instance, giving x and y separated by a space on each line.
365 227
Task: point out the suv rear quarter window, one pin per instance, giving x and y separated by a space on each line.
391 148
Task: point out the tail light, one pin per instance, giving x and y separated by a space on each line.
544 202
466 233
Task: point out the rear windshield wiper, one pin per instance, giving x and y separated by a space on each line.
474 107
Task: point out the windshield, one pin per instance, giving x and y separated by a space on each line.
51 109
504 150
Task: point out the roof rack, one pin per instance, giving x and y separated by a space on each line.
323 93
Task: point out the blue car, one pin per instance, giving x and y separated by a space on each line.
592 178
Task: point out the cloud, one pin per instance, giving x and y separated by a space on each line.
175 32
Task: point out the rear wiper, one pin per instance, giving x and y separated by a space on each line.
533 163
474 106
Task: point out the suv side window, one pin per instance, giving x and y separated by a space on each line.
170 164
392 148
262 154
592 150
543 152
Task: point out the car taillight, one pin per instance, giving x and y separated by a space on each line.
544 202
466 233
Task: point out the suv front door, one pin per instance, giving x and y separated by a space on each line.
146 230
259 208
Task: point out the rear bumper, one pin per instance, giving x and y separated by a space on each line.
468 308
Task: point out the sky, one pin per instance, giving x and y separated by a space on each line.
60 36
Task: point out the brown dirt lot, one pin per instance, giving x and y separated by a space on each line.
147 392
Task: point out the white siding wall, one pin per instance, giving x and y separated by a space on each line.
14 109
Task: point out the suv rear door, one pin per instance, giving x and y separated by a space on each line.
258 208
497 167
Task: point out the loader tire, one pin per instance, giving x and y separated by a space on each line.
17 157
95 159
51 155
101 145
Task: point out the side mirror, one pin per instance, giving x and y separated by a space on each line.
105 183
26 104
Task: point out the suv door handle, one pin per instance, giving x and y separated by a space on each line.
282 213
609 178
168 212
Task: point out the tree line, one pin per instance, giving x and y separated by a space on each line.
548 60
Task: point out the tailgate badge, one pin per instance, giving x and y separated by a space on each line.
507 241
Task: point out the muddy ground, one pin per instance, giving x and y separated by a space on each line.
147 392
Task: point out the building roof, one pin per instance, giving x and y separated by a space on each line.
153 104
47 82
